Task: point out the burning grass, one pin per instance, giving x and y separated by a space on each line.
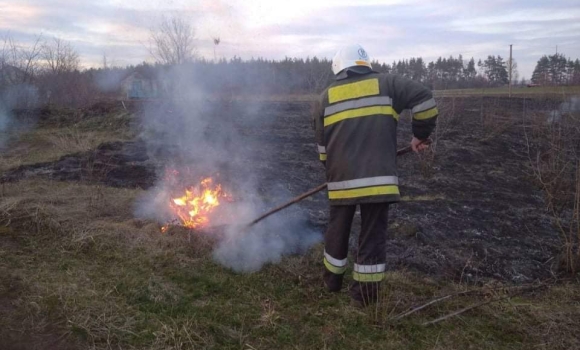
194 206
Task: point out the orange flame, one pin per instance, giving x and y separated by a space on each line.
196 205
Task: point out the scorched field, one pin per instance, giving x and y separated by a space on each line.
122 228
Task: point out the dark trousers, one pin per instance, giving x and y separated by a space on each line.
370 256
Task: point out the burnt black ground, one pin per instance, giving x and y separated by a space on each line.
471 215
478 214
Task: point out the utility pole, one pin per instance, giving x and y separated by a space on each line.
510 83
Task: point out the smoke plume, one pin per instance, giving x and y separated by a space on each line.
23 97
570 107
203 136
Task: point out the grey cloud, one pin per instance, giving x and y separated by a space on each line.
427 28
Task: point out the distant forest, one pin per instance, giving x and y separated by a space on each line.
312 75
51 70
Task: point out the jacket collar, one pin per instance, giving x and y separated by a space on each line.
353 71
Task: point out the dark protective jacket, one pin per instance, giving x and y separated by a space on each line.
356 131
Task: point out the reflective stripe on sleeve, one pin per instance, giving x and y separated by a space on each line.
364 102
358 89
364 192
428 114
425 110
360 112
322 156
365 182
423 106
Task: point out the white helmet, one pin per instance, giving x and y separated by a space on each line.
350 56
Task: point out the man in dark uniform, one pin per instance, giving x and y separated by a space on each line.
356 131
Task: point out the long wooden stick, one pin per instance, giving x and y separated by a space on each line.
286 205
311 192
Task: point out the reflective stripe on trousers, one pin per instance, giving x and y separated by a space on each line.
322 152
370 186
369 273
336 266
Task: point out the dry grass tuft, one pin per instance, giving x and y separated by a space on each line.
553 153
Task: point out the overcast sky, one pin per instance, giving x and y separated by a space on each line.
388 29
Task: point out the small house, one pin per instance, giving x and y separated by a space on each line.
138 86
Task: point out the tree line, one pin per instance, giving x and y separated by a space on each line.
49 70
556 70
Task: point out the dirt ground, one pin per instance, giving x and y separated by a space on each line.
470 211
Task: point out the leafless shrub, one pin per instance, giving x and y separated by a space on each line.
496 117
59 56
449 108
72 140
172 42
19 63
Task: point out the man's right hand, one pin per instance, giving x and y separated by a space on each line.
418 145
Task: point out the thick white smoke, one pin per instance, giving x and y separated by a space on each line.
570 107
23 97
202 137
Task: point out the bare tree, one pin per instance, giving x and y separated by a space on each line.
17 62
59 56
30 57
172 42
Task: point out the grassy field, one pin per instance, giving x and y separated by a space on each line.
55 138
516 91
499 91
78 272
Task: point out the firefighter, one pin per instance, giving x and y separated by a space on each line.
356 130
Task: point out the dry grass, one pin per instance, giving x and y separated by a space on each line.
81 269
51 142
553 153
77 271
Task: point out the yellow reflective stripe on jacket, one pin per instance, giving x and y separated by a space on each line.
353 104
334 269
364 192
368 277
360 112
359 89
322 156
426 114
